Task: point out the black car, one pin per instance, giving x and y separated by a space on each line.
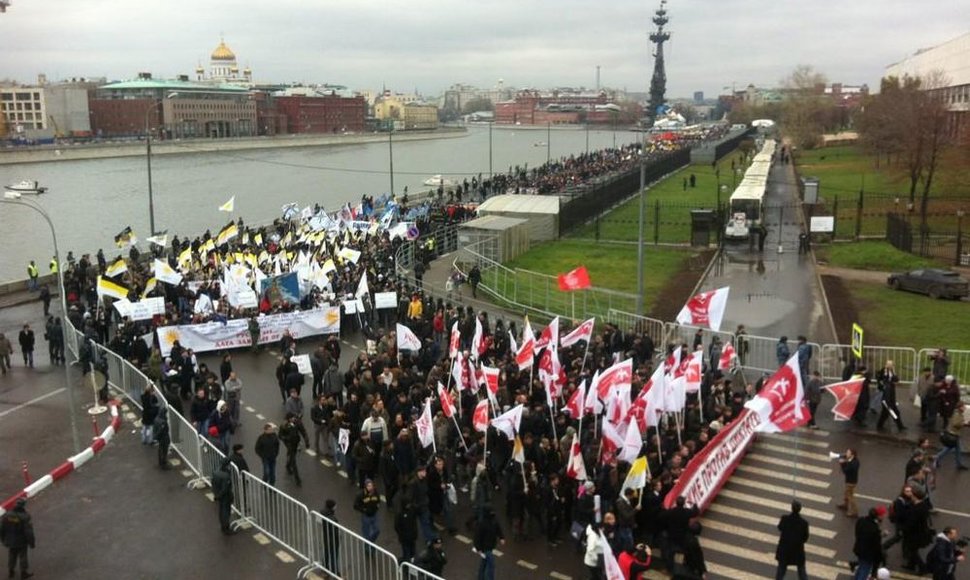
933 282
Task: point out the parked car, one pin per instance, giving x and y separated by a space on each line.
933 282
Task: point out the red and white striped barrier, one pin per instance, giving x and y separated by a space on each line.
72 463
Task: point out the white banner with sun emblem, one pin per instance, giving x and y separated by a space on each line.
235 333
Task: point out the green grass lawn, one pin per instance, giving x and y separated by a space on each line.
610 266
893 318
871 255
846 170
622 223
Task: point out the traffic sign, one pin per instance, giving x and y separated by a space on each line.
857 340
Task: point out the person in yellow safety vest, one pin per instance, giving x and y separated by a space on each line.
53 265
32 275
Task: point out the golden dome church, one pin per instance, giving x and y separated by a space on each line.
224 69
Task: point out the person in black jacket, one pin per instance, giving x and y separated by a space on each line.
17 535
943 558
406 527
868 543
160 431
488 534
290 437
850 470
222 491
331 538
791 542
268 449
433 559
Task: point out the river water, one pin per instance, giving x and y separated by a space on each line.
90 201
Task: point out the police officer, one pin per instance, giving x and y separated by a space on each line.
53 265
17 534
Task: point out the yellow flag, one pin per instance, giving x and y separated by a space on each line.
229 206
108 288
518 452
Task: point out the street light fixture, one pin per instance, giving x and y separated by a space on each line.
14 198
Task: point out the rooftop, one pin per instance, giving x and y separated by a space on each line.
172 85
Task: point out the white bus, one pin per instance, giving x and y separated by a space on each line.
746 204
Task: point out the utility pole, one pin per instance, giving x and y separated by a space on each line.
548 141
390 155
490 123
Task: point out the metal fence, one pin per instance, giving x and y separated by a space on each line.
629 322
342 553
959 365
760 353
834 358
411 572
276 514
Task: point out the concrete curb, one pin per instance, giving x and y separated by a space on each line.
825 298
707 270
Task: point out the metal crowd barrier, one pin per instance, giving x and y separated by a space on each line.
834 357
411 572
276 514
344 554
627 321
959 363
761 353
682 333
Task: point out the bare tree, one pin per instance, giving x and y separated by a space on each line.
804 109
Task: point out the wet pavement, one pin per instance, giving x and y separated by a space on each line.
773 292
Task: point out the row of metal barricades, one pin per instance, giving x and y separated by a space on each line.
758 354
322 545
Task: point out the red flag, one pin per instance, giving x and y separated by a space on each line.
549 371
846 395
458 371
447 405
577 279
781 402
592 403
453 341
705 309
619 374
524 356
480 417
692 375
611 440
582 332
490 375
728 357
576 467
577 401
548 334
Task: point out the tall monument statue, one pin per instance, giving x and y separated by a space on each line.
658 84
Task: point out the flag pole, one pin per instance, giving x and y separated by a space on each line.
677 423
585 355
460 436
552 419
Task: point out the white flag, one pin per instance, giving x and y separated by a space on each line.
407 340
343 439
508 422
424 426
705 309
362 288
229 206
166 273
632 443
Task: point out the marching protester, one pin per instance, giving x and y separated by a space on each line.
17 535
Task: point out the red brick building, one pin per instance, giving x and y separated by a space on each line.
123 117
555 108
322 114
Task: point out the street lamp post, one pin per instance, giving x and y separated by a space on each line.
148 159
490 123
548 141
390 154
72 404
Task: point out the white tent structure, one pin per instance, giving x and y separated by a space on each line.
540 211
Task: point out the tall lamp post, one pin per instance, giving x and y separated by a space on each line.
490 123
390 154
12 198
148 158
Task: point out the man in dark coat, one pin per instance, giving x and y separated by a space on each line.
17 534
868 543
791 542
222 491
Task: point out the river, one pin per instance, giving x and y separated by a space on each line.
90 201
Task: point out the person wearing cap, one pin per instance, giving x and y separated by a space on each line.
220 426
791 543
17 535
433 558
868 543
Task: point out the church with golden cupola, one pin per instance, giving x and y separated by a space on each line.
224 69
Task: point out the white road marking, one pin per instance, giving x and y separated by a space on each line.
780 490
186 473
498 552
801 466
771 539
463 539
786 476
284 556
801 454
174 462
782 506
768 557
31 402
816 433
527 565
261 538
802 442
210 496
887 501
559 576
260 417
326 463
342 474
311 452
250 409
737 514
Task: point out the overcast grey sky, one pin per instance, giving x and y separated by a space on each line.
430 44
